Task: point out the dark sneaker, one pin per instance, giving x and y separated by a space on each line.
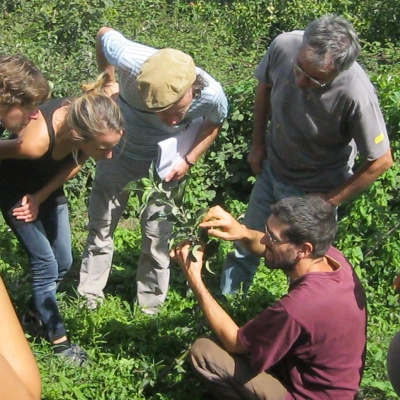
75 354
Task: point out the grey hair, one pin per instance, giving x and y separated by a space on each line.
309 219
332 41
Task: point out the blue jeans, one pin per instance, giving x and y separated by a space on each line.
47 242
240 266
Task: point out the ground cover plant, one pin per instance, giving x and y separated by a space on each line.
134 356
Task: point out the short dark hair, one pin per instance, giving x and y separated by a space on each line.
333 41
310 219
198 85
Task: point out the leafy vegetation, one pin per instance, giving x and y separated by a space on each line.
134 356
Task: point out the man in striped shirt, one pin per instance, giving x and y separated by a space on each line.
160 93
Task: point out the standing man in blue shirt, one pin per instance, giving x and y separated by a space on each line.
161 92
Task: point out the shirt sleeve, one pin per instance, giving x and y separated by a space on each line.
369 132
269 336
124 54
219 110
262 72
278 56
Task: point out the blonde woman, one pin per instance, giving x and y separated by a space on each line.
51 149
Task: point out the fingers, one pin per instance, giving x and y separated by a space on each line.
184 255
217 221
24 200
215 213
180 252
179 170
24 215
27 212
21 211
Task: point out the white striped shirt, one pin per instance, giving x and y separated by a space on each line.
143 130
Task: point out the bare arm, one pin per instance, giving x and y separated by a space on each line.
30 203
363 177
112 86
32 141
221 323
64 175
221 224
9 148
262 114
20 377
208 131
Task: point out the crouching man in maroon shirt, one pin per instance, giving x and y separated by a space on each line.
308 345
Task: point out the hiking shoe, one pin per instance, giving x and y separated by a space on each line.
75 354
91 303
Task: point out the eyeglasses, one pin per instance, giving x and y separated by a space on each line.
297 68
271 237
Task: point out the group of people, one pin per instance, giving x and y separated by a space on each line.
315 111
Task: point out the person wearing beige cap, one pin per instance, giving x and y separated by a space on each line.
162 94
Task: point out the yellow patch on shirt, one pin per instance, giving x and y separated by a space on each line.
378 138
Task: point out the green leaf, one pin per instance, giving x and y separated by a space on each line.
146 182
193 252
207 266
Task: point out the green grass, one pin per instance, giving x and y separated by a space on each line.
135 356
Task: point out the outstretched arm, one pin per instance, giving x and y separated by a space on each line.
221 224
19 374
112 86
221 323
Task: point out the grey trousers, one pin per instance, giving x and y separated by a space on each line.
229 376
106 205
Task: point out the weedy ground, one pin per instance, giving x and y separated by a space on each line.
136 356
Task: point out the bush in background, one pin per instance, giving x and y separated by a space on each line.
228 39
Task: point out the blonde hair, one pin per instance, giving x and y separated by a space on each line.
94 113
98 85
21 83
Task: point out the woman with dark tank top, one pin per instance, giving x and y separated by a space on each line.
51 150
22 88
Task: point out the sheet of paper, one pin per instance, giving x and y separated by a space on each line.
173 149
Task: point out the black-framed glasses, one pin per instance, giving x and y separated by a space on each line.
297 68
272 238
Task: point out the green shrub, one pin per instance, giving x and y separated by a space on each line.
134 356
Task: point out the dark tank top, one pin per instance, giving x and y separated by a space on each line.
19 177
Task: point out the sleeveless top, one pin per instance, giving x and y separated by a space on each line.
19 177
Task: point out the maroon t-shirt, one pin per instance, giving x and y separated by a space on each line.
313 339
